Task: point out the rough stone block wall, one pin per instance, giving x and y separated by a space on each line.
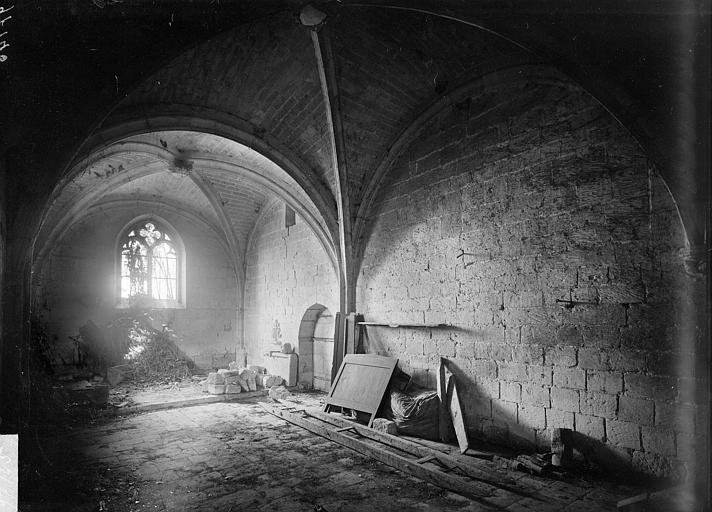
530 223
76 285
287 273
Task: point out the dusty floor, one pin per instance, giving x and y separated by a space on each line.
234 456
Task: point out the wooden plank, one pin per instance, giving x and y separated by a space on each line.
381 324
444 423
353 332
473 489
338 355
457 418
476 469
361 383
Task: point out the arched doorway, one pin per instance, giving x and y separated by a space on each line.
316 347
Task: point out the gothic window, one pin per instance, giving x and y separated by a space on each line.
150 266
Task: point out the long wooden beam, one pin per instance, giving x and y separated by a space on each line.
473 489
472 468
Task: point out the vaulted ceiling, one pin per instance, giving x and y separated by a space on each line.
220 107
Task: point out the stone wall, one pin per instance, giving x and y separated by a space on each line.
528 221
76 285
289 280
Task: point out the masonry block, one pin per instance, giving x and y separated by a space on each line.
532 416
512 371
484 368
565 399
510 391
501 352
569 378
504 411
530 354
636 410
600 336
606 382
623 433
561 355
446 348
593 359
486 387
216 378
556 418
483 350
539 375
591 426
216 389
647 386
654 464
614 359
599 404
536 395
480 405
233 388
658 440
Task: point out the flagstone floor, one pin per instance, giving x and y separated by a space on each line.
234 456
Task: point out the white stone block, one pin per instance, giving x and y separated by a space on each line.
216 389
233 388
215 378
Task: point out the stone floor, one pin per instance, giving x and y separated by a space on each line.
234 456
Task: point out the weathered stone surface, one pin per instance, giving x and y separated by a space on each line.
243 384
233 388
599 404
565 399
216 389
532 416
623 433
658 440
279 393
268 381
590 426
604 381
635 410
216 378
249 377
385 426
232 379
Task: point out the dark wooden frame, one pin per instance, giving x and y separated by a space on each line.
377 389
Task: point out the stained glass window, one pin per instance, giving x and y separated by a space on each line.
149 264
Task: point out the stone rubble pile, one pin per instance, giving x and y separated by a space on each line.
235 379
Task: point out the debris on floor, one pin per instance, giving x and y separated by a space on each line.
233 380
473 478
385 426
414 415
279 393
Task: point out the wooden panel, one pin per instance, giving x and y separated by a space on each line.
361 383
457 419
444 422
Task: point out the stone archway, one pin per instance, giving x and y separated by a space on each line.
316 347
